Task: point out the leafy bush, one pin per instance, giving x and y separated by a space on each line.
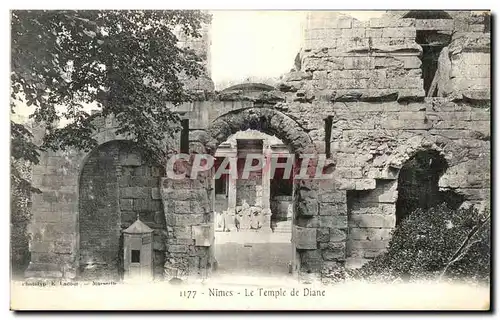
439 243
20 215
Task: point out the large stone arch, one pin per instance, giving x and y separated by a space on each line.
319 220
265 120
310 257
464 174
54 228
116 186
373 213
445 147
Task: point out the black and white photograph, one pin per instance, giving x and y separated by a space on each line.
250 159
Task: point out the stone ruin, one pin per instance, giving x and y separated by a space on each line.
368 95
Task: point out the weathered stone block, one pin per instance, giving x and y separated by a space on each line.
372 221
370 233
199 207
126 204
155 194
349 172
403 32
184 219
372 253
304 238
177 248
202 235
182 206
43 270
479 115
308 207
318 75
41 246
328 209
63 247
373 33
354 33
434 24
334 251
46 215
360 63
410 62
339 222
135 193
365 184
368 244
308 222
372 208
323 235
311 261
391 22
406 83
183 232
337 235
335 196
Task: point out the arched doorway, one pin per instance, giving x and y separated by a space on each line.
273 123
116 186
253 214
418 186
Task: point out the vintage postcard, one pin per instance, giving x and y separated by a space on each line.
250 160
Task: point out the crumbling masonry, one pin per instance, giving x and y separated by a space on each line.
370 95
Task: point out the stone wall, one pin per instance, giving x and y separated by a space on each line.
189 217
345 59
372 217
345 76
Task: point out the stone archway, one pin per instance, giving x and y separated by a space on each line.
60 198
271 122
266 120
308 258
116 187
188 203
418 184
373 213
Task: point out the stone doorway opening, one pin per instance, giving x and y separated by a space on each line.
253 212
433 34
418 185
116 188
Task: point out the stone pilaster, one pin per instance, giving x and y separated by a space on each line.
266 188
231 197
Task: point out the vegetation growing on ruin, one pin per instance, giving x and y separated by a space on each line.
435 244
126 62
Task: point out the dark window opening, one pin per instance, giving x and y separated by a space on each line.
432 42
136 256
185 136
328 136
418 185
280 185
221 185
